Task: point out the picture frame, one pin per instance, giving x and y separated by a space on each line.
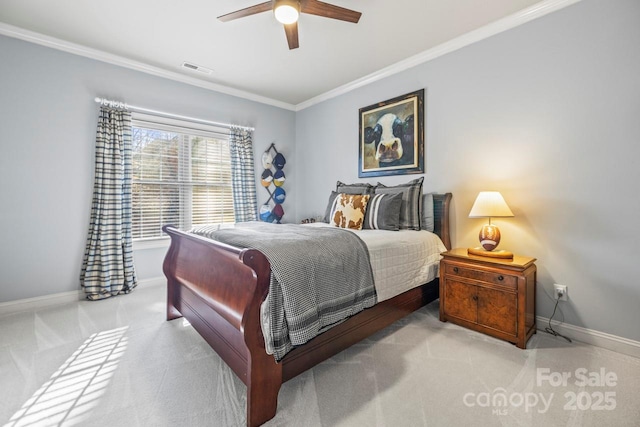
392 136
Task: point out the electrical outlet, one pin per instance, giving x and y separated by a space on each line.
560 292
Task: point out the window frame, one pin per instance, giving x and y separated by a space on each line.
183 127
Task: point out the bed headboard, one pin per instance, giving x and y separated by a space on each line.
441 217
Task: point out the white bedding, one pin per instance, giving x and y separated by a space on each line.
400 260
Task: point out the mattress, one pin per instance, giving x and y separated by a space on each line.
400 260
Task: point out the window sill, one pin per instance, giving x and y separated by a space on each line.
163 242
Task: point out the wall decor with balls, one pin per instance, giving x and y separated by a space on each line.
272 180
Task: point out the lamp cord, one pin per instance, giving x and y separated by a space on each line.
549 329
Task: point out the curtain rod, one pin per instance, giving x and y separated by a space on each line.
123 105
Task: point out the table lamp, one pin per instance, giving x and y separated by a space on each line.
490 204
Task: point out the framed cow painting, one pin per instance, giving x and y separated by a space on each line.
392 136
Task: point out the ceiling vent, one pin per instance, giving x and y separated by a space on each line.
198 68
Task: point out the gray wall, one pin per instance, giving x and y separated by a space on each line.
47 135
548 114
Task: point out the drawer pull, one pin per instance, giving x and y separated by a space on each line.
475 298
455 269
501 278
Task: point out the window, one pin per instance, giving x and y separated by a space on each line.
181 175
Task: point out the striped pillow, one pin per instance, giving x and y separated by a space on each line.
330 206
383 212
411 208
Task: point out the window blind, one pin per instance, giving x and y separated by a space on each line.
181 176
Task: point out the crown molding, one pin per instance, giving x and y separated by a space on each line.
533 12
77 49
536 11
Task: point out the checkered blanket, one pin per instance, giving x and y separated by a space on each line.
319 277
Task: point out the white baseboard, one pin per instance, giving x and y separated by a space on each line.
590 336
17 306
577 333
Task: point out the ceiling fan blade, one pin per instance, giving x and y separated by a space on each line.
291 30
327 10
251 10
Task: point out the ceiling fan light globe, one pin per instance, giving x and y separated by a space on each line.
287 12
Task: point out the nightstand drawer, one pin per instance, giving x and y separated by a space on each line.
482 276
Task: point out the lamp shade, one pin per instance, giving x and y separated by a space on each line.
490 204
286 11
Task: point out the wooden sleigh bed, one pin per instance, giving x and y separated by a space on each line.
219 289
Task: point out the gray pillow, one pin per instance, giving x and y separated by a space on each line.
410 210
428 219
327 211
383 212
358 188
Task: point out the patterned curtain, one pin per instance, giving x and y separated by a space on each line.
243 174
107 269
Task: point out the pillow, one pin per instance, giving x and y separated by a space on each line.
383 212
428 218
341 187
410 210
330 205
358 188
349 211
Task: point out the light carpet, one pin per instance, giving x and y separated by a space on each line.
117 362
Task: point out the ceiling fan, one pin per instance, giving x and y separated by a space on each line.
287 12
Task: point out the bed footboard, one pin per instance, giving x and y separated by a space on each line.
218 289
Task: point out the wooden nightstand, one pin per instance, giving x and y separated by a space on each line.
489 295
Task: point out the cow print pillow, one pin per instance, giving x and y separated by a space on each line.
341 187
349 211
